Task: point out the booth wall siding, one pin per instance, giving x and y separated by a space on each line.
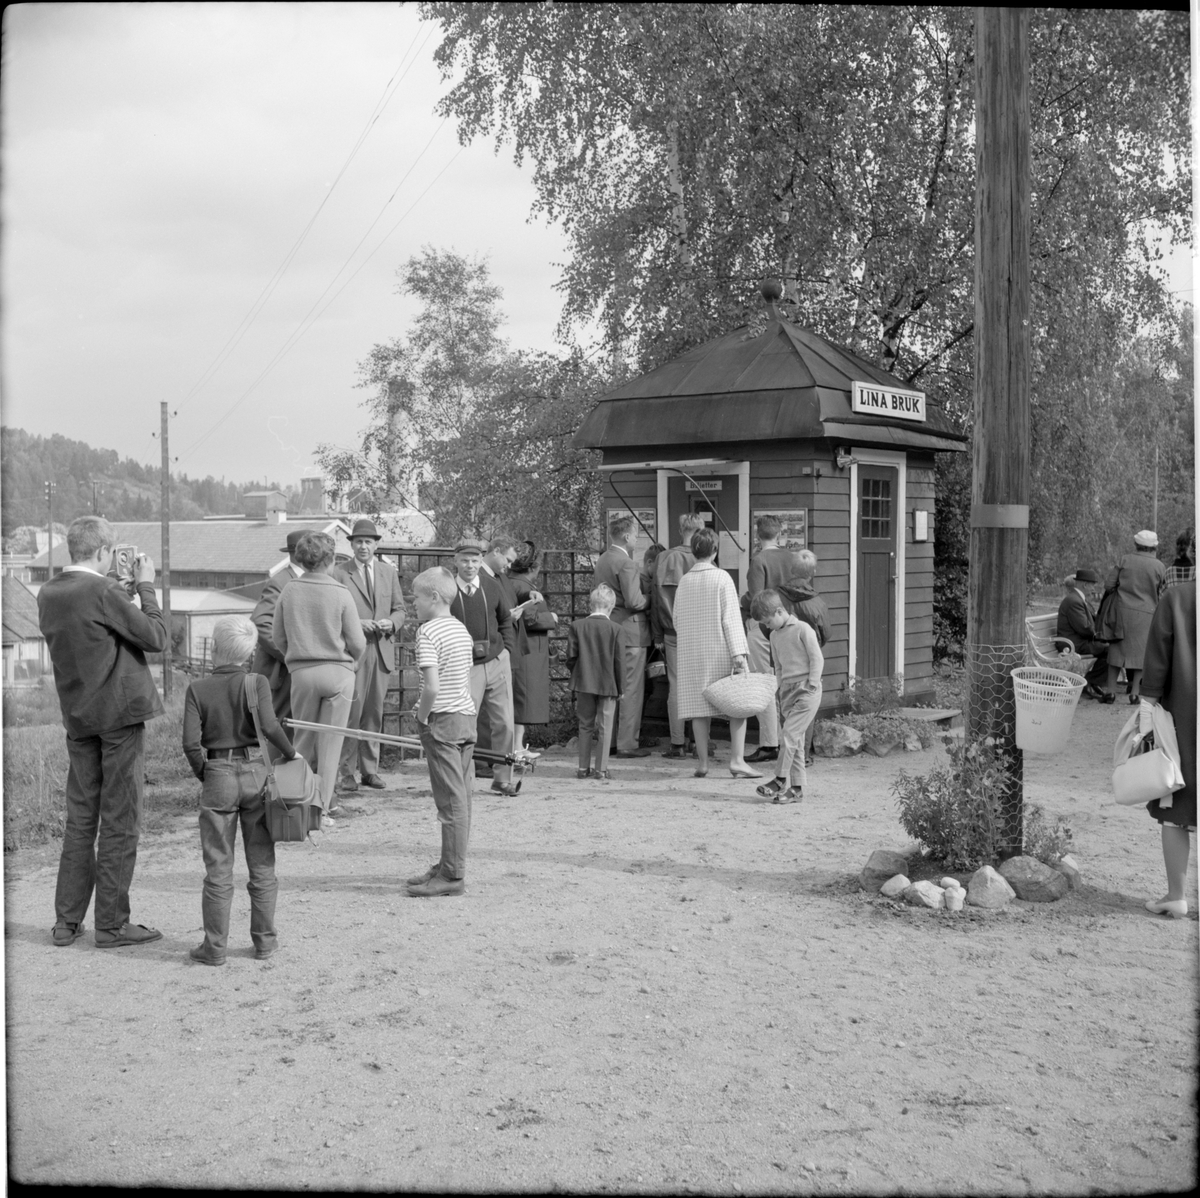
918 591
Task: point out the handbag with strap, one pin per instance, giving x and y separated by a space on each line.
291 804
1146 764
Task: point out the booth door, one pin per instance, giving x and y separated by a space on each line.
717 504
878 521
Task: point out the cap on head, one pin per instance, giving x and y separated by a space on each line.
364 528
471 545
293 539
1147 539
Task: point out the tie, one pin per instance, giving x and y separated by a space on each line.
370 589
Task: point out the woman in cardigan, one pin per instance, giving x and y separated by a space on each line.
712 644
319 632
531 663
1170 678
1139 578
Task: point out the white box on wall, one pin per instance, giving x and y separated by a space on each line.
920 525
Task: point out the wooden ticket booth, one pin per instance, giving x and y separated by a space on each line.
785 422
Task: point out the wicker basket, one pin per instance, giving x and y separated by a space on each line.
740 696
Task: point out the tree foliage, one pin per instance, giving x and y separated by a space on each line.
691 150
463 426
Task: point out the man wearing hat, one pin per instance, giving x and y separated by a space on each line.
480 605
1077 624
376 589
268 661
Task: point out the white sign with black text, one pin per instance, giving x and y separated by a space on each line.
870 399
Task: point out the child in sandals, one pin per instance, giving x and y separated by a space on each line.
798 667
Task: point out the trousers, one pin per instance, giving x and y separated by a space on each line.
491 691
760 662
678 727
595 714
799 708
449 740
104 795
366 713
322 695
232 795
629 728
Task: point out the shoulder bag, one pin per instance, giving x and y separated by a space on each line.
1146 764
291 804
1110 622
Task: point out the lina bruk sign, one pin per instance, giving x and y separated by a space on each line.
871 400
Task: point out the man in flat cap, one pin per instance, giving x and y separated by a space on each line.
377 594
1077 623
480 605
268 661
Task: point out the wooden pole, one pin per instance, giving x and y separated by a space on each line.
49 531
1000 477
165 506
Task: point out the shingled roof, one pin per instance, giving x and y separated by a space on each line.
19 616
785 383
225 546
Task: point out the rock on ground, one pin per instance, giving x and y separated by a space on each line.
1033 881
925 894
836 740
881 865
895 887
1069 869
987 888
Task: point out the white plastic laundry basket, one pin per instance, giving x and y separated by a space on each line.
1046 701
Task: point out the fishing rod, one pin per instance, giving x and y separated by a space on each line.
411 742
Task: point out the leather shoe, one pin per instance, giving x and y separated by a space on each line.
421 879
374 781
66 933
438 887
508 789
346 784
130 933
676 751
201 954
763 753
261 954
635 753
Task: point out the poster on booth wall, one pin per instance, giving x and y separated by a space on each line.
795 528
645 525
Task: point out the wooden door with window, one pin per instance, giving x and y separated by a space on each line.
878 523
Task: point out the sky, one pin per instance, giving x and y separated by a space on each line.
161 162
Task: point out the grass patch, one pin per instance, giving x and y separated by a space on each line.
36 763
29 706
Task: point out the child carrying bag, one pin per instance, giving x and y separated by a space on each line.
1146 763
291 805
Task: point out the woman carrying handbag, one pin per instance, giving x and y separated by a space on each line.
1137 582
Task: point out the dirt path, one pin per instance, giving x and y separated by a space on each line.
652 984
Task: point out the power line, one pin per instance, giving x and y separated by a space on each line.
269 289
302 328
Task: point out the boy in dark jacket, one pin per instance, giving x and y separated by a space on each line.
595 658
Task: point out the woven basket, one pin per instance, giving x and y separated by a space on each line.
741 695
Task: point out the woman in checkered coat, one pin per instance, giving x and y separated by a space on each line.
712 644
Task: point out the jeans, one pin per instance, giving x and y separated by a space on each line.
449 740
595 714
232 794
322 695
799 710
104 792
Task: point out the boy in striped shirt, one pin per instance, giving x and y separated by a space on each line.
446 723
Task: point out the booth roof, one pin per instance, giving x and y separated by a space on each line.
787 383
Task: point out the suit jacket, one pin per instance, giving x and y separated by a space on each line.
499 616
98 639
389 605
595 656
619 571
1076 621
508 632
268 661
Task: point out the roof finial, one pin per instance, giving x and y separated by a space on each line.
771 291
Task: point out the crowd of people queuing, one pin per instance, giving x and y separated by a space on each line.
319 644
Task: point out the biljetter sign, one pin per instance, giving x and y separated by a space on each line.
870 399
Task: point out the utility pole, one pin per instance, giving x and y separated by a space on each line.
49 530
1000 466
165 505
1154 514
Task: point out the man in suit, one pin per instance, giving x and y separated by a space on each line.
268 661
501 553
617 569
380 602
1077 623
97 638
668 572
480 605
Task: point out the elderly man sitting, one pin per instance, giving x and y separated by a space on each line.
1077 623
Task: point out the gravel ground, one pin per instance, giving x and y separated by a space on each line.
652 984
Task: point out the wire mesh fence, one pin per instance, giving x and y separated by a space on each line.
991 719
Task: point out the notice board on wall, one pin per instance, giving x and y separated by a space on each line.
645 525
795 527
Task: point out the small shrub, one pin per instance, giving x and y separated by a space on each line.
1049 844
883 726
868 696
952 810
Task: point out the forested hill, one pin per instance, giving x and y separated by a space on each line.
124 489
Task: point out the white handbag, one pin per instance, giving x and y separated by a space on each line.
1146 764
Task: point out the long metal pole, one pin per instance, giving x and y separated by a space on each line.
1000 474
165 506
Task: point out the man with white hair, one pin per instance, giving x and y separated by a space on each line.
98 640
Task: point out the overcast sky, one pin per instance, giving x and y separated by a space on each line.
160 162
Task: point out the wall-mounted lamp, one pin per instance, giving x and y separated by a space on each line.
844 459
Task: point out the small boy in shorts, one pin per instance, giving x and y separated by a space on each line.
799 663
596 660
446 724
